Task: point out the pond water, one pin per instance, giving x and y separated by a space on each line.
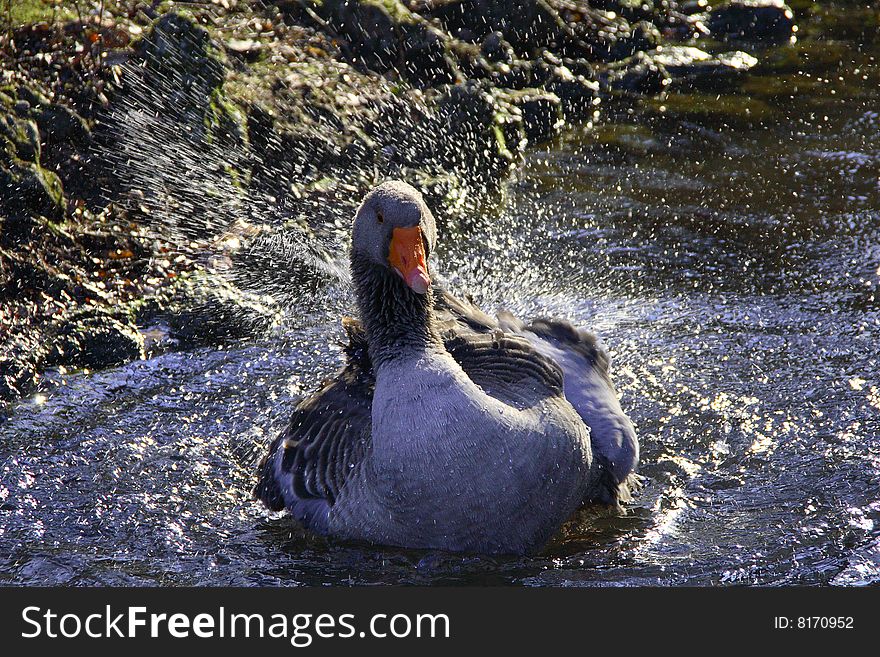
725 248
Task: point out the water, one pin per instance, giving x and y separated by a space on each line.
730 265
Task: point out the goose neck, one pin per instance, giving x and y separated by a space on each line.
399 323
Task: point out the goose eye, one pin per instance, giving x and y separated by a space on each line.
379 217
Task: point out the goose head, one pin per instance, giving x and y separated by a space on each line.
394 229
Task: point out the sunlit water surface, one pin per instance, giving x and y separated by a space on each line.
732 271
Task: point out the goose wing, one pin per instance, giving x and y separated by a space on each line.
585 364
327 436
588 387
506 366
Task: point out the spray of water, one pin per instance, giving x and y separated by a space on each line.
249 204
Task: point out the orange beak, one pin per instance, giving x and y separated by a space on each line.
407 255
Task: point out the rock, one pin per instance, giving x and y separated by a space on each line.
28 274
541 112
495 49
691 7
695 69
60 124
23 136
173 97
31 129
384 35
752 20
678 67
509 121
576 93
580 67
470 139
207 310
601 35
541 72
30 95
641 37
95 339
528 25
639 74
466 107
180 79
178 48
247 49
520 74
28 188
17 377
632 10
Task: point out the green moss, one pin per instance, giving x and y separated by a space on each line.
623 136
52 184
224 120
501 142
395 10
26 186
804 56
727 110
23 134
28 12
779 87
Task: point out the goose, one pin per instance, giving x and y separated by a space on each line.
447 428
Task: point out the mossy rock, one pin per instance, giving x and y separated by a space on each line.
22 138
541 111
177 46
225 122
207 310
30 94
182 70
95 339
632 10
17 377
26 187
576 93
386 36
509 122
639 74
679 68
472 141
31 118
495 48
527 25
60 124
752 20
695 69
28 12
